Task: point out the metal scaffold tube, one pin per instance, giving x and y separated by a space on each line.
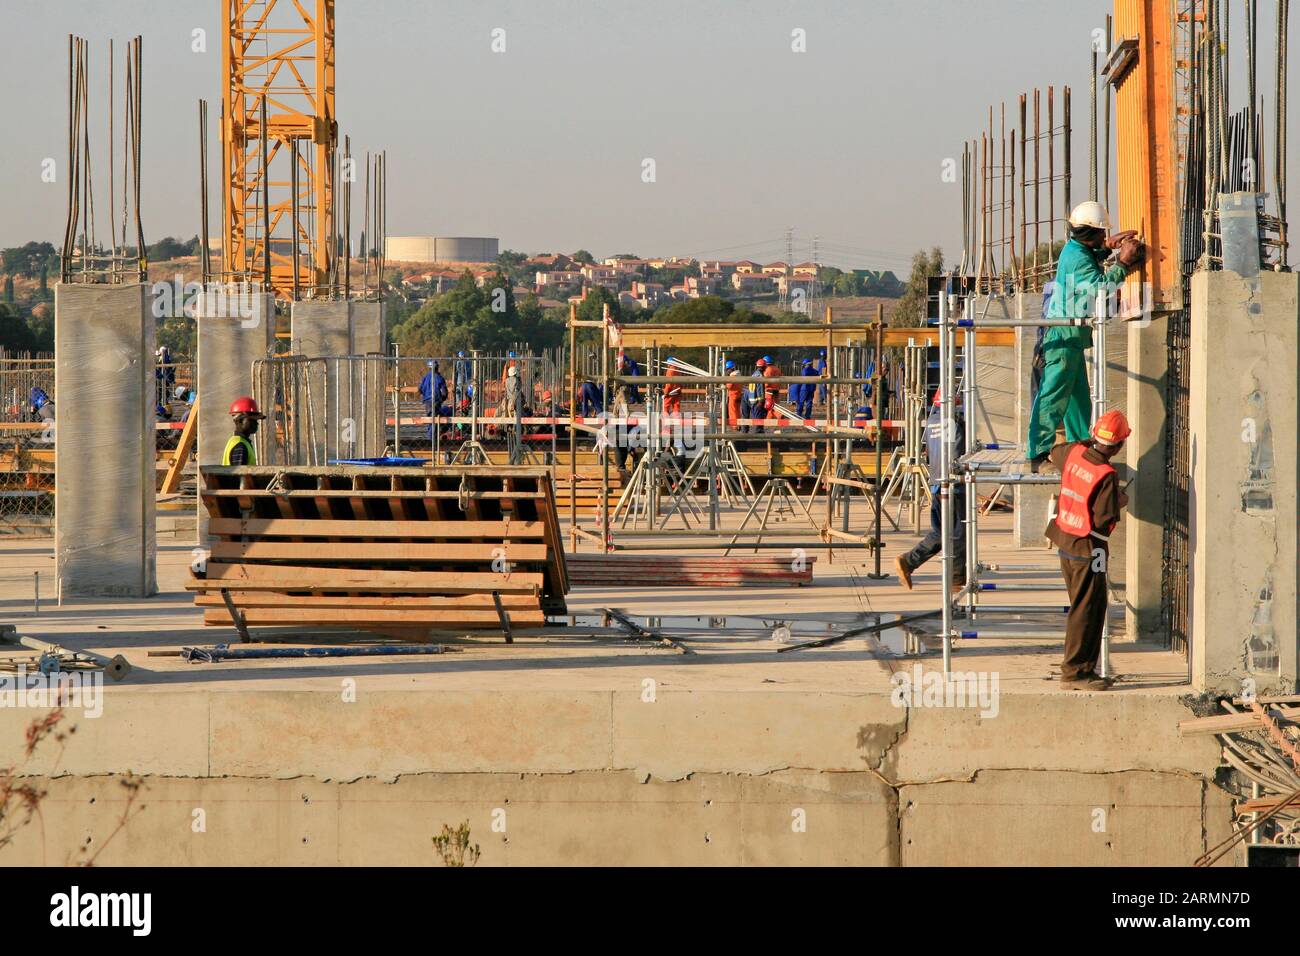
953 472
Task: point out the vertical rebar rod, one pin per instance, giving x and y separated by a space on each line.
1092 126
1051 174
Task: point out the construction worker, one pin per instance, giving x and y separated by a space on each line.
932 543
803 393
1064 395
628 366
672 390
41 405
1088 508
735 394
239 449
754 398
590 403
773 390
821 370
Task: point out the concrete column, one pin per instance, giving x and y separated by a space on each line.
1244 416
322 329
234 331
1148 365
369 378
105 476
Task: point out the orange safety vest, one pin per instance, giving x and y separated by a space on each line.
671 390
1079 481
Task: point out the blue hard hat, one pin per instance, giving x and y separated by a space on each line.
823 353
807 361
429 363
37 398
671 359
460 355
730 364
767 359
510 355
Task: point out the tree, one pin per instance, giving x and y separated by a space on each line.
170 248
583 256
15 335
911 309
27 260
9 289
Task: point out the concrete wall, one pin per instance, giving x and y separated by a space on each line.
1244 475
609 778
105 476
234 331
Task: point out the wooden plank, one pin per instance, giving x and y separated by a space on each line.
266 577
359 617
345 493
343 528
335 551
1232 723
172 480
476 601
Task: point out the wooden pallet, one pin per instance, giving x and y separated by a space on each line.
675 571
398 551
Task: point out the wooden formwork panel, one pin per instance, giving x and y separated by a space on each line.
385 549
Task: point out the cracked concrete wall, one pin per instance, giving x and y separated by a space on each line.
606 777
1244 417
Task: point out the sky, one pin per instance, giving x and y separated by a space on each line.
544 145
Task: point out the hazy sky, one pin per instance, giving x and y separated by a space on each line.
542 145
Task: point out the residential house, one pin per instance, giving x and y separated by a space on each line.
750 283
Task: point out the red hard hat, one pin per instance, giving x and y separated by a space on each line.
760 362
244 405
1112 428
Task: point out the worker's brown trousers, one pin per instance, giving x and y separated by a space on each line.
1087 613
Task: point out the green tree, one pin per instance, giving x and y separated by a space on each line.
9 289
15 334
583 256
911 308
26 260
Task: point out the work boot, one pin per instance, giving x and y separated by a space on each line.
1086 682
904 572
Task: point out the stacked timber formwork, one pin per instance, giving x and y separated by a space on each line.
400 551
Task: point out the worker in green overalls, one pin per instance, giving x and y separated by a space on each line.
239 450
1081 272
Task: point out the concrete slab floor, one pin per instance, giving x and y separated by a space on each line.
730 631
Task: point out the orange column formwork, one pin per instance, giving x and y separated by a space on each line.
1140 67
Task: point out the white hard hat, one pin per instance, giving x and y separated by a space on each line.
1090 213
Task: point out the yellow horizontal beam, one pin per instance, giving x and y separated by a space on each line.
644 335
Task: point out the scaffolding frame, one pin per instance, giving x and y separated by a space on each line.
967 471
